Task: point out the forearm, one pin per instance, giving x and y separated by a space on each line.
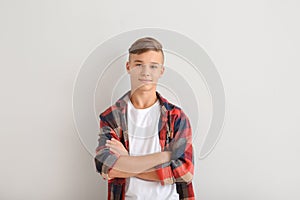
127 166
150 175
114 173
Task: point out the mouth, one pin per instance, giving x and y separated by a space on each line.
145 81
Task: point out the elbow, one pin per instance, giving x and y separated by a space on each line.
98 165
100 168
186 178
189 179
104 164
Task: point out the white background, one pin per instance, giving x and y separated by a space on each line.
253 44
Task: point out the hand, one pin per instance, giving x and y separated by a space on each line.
116 147
177 148
106 177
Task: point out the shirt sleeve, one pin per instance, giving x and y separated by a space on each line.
105 159
181 166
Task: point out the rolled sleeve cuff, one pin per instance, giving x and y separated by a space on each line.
106 165
165 175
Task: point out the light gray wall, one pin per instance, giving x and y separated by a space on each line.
254 45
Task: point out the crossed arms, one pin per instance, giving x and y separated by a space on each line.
138 166
170 166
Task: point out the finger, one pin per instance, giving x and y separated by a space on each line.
113 141
116 141
116 148
103 177
109 142
114 144
110 145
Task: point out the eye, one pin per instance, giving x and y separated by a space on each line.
154 66
138 65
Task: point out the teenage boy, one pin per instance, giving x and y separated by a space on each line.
145 142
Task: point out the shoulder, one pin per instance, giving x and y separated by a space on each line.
178 113
116 109
109 113
170 107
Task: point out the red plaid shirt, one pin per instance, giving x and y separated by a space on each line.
175 135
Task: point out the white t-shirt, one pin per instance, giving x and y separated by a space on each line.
144 139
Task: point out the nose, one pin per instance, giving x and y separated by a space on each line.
145 71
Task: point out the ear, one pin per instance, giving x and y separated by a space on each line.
127 67
162 71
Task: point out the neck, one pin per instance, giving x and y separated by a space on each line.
143 99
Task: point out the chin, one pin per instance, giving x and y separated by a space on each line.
145 88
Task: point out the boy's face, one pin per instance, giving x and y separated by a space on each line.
145 69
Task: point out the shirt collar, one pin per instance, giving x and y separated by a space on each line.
164 103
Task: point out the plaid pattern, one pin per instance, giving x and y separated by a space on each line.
175 135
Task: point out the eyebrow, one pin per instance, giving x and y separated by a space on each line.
142 61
